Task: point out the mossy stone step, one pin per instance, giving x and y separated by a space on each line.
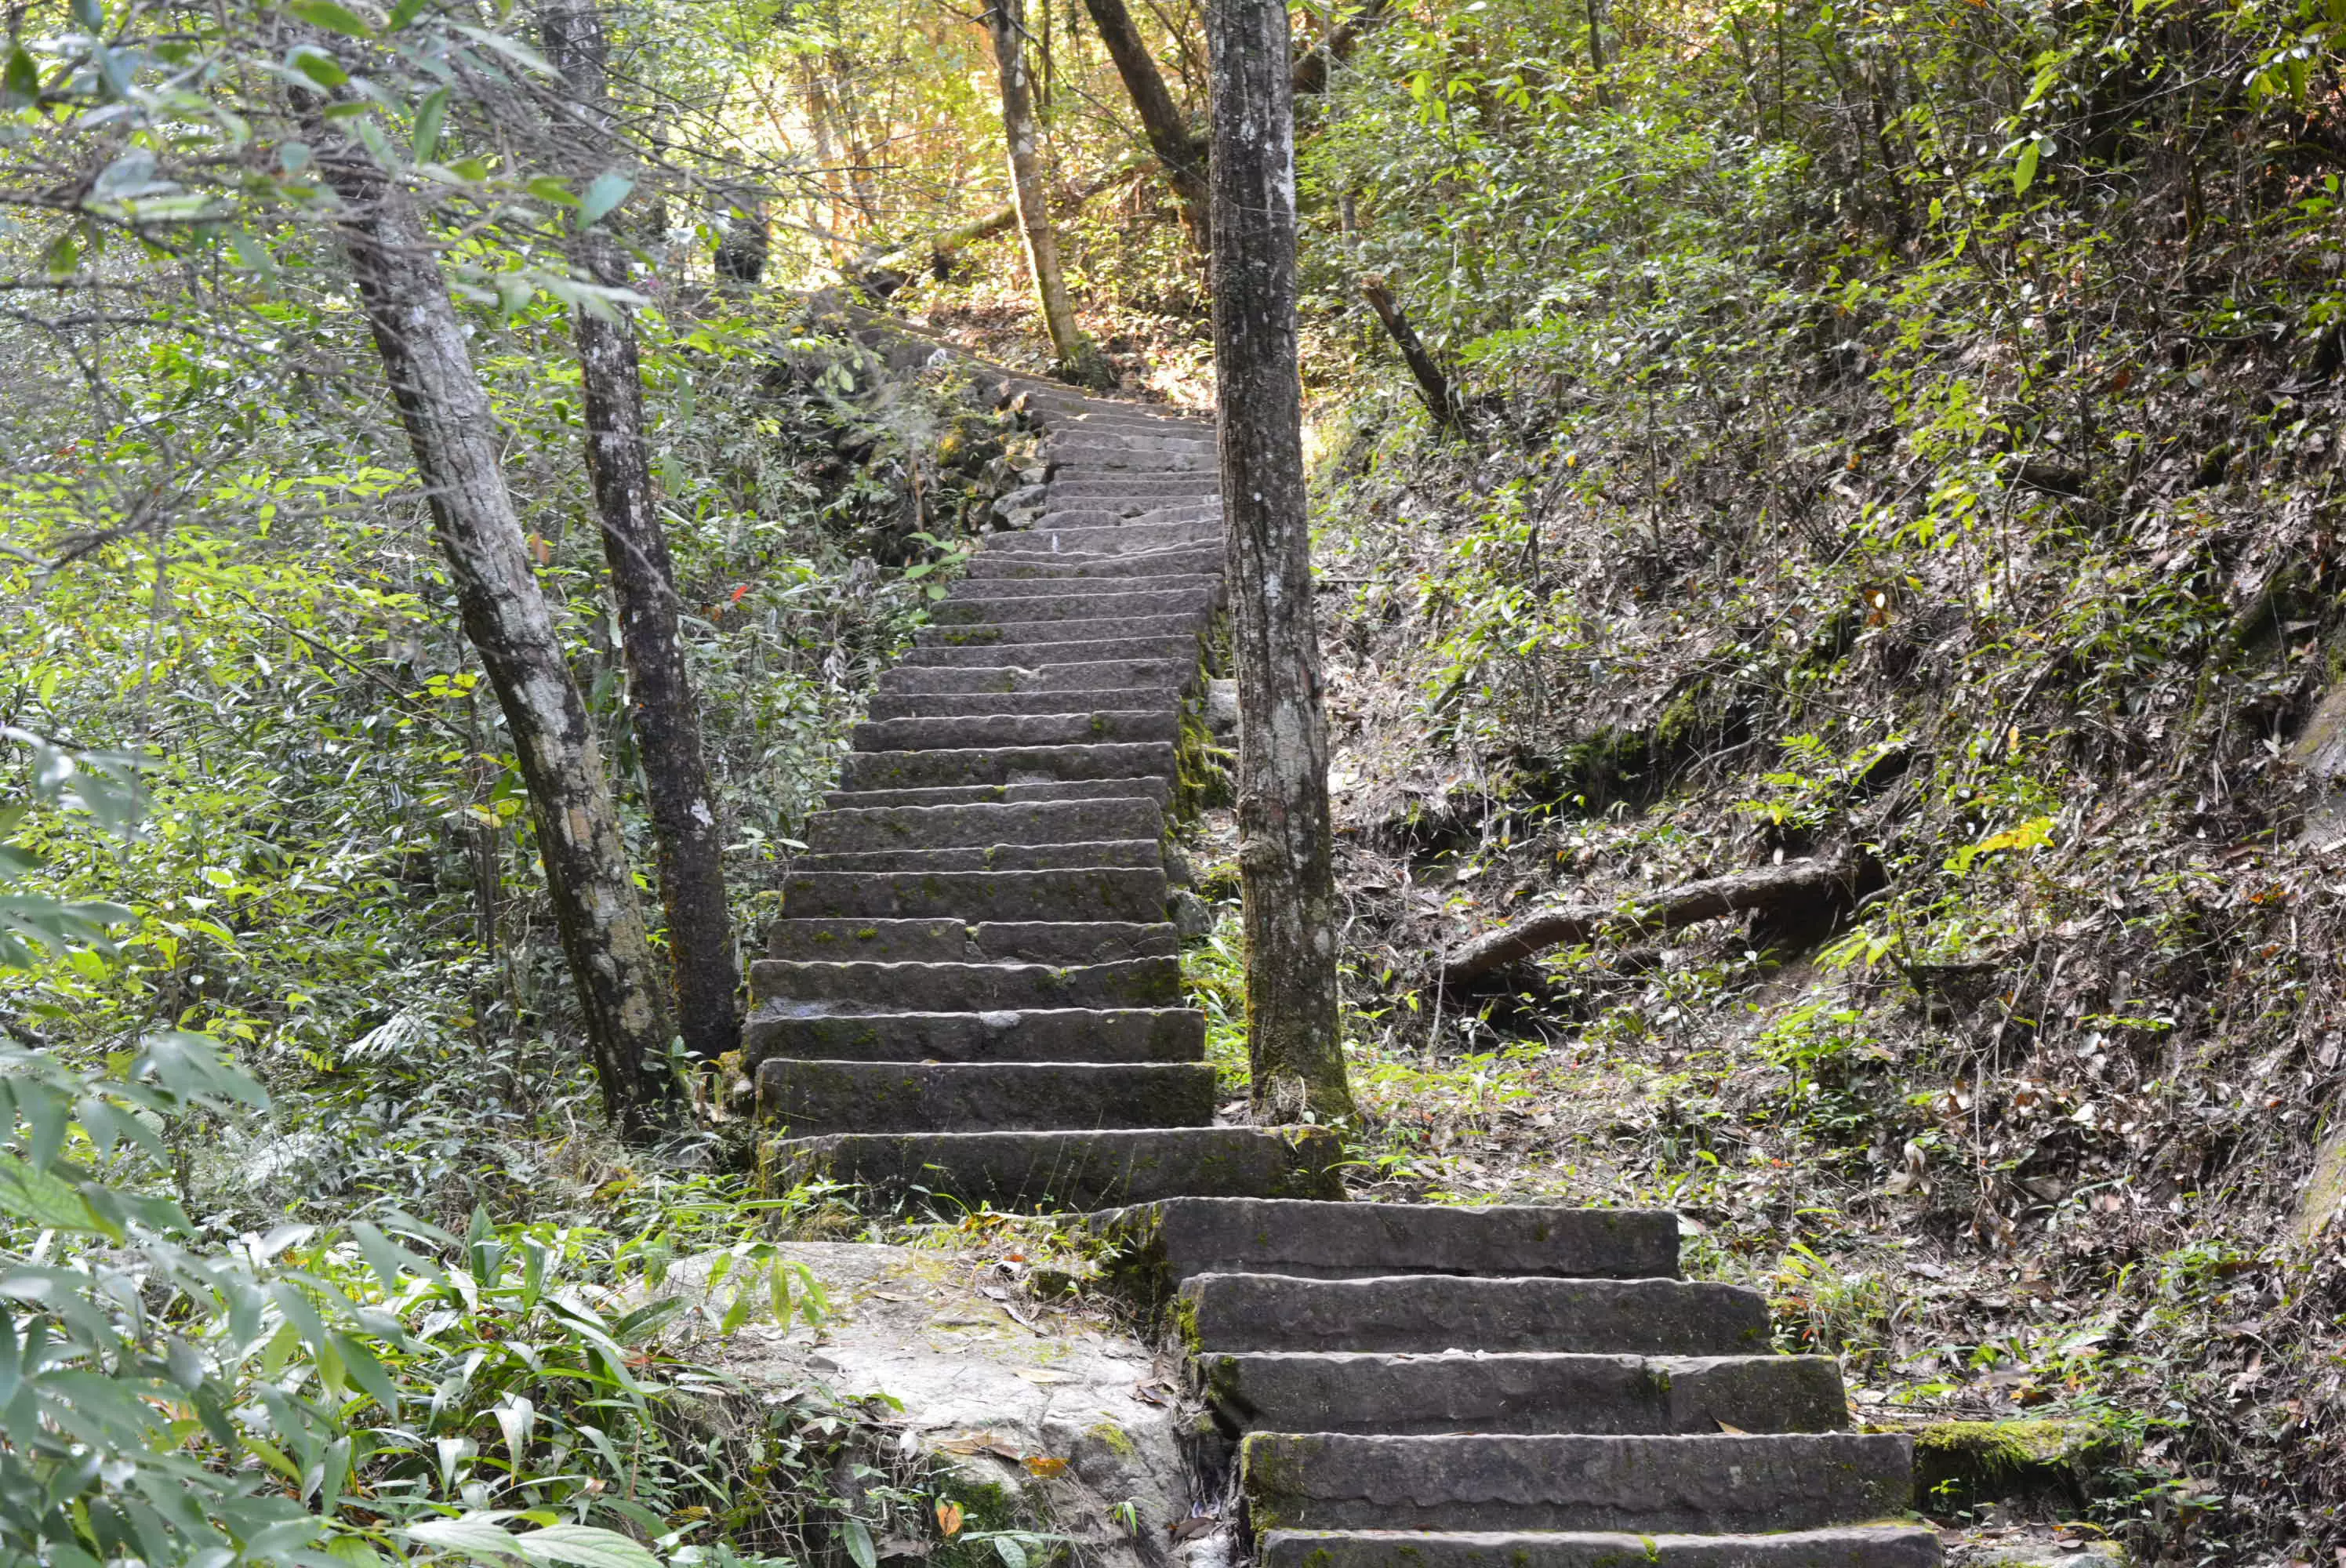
814 1099
1858 1546
950 731
1025 1035
1173 1241
1070 1169
946 766
1110 893
978 703
1464 1391
1090 652
1428 1313
1721 1485
819 986
1024 822
1083 855
953 941
1172 562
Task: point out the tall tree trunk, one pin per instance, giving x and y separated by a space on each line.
1311 72
1169 137
1029 189
1284 852
663 711
454 436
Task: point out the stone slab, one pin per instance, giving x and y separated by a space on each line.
1860 1546
1064 1171
1428 1313
982 987
1024 1034
814 1099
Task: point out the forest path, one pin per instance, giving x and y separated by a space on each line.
975 994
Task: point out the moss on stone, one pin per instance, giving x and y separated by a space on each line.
1961 1465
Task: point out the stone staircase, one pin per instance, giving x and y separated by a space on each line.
974 997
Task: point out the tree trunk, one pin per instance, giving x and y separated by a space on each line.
663 709
1167 128
454 435
1433 386
887 268
1284 852
1795 883
1029 188
1311 74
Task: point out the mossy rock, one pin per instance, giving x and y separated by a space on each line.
2032 1466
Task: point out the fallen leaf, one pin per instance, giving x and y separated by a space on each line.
1045 1466
949 1516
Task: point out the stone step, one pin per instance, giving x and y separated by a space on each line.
1074 485
1018 635
976 704
864 987
1041 1172
1460 1392
1428 1313
1088 515
994 857
1122 893
1720 1485
1093 588
1170 563
1128 539
815 1098
992 730
946 827
1171 1241
1855 1546
1003 765
965 608
1053 1034
1152 788
952 941
1177 674
1036 656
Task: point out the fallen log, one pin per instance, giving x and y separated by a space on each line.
1765 887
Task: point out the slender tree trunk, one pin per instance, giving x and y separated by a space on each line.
1434 388
454 435
1029 188
1284 854
1167 130
1311 72
663 711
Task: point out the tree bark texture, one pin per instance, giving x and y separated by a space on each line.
454 436
663 708
1433 382
1030 191
1167 130
1714 898
1311 74
1284 854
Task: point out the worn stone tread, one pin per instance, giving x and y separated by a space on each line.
1025 789
1090 652
814 1099
972 609
1461 1391
946 733
1098 629
1005 765
1854 1546
1434 1312
1073 1170
1721 1485
961 704
1113 894
1021 1035
947 827
1181 1237
980 987
951 940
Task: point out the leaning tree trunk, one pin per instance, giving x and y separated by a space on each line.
454 436
663 709
1284 854
1029 189
1169 137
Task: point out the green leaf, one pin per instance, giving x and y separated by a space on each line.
20 80
481 1536
42 1198
610 188
584 1546
2023 172
89 15
546 187
333 18
319 67
1013 1555
430 116
254 254
859 1546
61 258
404 13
